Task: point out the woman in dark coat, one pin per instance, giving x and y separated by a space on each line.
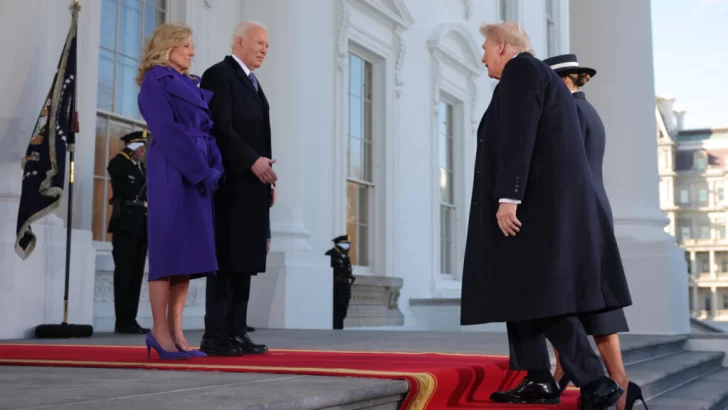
184 168
602 326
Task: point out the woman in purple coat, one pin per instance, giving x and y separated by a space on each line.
183 171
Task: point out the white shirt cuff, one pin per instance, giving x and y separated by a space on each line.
509 201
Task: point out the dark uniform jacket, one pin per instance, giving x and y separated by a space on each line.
242 204
565 258
128 183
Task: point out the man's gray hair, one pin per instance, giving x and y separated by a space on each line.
508 32
242 30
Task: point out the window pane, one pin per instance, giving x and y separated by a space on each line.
355 77
160 4
355 166
125 98
130 28
703 195
363 246
106 80
98 225
367 164
100 160
445 257
354 238
351 203
363 212
152 18
355 117
108 24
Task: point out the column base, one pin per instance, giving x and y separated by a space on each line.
658 281
290 238
31 291
295 292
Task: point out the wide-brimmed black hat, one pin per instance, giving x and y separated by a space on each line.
568 64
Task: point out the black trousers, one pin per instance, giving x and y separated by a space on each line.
130 253
226 305
528 350
342 296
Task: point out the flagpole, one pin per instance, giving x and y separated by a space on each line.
65 329
75 8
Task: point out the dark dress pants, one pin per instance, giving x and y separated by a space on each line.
130 254
226 305
527 342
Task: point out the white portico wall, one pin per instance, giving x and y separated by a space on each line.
615 38
31 291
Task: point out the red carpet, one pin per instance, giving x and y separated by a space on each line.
437 380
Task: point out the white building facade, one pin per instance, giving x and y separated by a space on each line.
693 166
374 108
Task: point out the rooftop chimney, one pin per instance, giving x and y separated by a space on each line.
665 103
679 112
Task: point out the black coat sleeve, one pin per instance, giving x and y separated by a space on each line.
116 175
236 153
522 90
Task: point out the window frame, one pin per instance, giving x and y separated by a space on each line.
452 205
371 184
104 243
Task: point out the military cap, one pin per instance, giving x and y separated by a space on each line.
342 238
136 136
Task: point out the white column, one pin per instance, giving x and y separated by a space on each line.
296 290
615 38
696 304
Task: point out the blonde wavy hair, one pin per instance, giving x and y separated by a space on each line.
164 39
508 32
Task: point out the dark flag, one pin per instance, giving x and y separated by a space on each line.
44 165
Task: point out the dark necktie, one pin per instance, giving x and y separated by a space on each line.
254 80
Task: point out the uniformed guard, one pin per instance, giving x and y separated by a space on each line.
343 278
128 227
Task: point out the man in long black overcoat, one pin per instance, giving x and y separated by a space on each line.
240 112
539 243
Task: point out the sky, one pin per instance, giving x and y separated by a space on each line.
690 51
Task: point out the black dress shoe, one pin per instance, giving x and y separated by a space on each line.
245 343
528 392
600 394
249 329
219 347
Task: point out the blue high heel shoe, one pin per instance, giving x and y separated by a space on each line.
191 353
163 354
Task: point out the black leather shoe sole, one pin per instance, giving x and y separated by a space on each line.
513 400
220 352
248 350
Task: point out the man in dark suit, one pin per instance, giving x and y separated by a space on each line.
539 243
242 129
128 228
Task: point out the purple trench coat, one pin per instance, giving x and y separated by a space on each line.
182 154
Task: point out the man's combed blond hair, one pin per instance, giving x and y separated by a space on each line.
510 33
164 39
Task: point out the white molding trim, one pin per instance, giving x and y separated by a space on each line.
459 33
394 11
456 68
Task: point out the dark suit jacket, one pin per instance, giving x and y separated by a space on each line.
128 183
565 258
242 130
